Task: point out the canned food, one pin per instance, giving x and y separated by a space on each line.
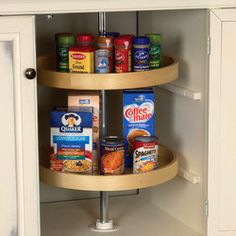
145 155
102 61
112 156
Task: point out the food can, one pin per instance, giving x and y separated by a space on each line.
145 155
102 61
112 156
141 53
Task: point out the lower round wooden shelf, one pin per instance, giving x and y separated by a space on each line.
167 170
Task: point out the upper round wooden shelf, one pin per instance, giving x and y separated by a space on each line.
166 171
83 81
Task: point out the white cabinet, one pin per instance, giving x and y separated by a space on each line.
19 201
185 34
222 126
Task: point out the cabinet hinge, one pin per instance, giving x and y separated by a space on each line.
206 208
208 45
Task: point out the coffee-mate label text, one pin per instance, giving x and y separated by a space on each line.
138 118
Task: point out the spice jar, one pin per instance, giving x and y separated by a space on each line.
154 51
141 53
81 59
63 42
123 46
106 43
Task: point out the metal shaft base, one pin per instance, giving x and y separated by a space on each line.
104 224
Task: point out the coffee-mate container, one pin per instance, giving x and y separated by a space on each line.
138 118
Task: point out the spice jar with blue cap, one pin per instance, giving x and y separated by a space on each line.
141 46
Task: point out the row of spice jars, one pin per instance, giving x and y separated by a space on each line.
113 53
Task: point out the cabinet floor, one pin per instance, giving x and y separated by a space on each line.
134 216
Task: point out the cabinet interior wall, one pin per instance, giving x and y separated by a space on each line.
181 123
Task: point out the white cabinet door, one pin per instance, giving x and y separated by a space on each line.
222 124
19 212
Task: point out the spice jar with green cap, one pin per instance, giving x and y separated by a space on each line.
63 42
154 50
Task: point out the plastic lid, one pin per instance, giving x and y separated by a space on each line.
145 139
141 40
80 38
112 34
105 40
128 36
82 49
122 41
65 38
154 37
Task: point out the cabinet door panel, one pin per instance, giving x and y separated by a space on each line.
7 144
18 143
222 126
227 172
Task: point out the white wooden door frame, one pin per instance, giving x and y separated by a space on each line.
20 30
217 18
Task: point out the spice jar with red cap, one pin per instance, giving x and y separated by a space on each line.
123 47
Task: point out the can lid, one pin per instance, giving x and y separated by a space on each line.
128 36
65 38
155 38
105 40
122 41
112 140
80 38
145 139
141 40
112 34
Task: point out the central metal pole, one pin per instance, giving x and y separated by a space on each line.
104 207
103 195
103 224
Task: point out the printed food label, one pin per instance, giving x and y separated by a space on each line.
138 118
145 158
71 141
82 62
141 59
112 159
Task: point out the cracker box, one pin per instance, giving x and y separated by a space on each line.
91 99
138 118
71 140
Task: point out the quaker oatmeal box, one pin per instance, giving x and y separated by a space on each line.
91 99
138 118
71 140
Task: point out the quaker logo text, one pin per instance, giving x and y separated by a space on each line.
71 122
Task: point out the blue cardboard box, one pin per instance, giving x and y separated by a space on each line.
138 118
